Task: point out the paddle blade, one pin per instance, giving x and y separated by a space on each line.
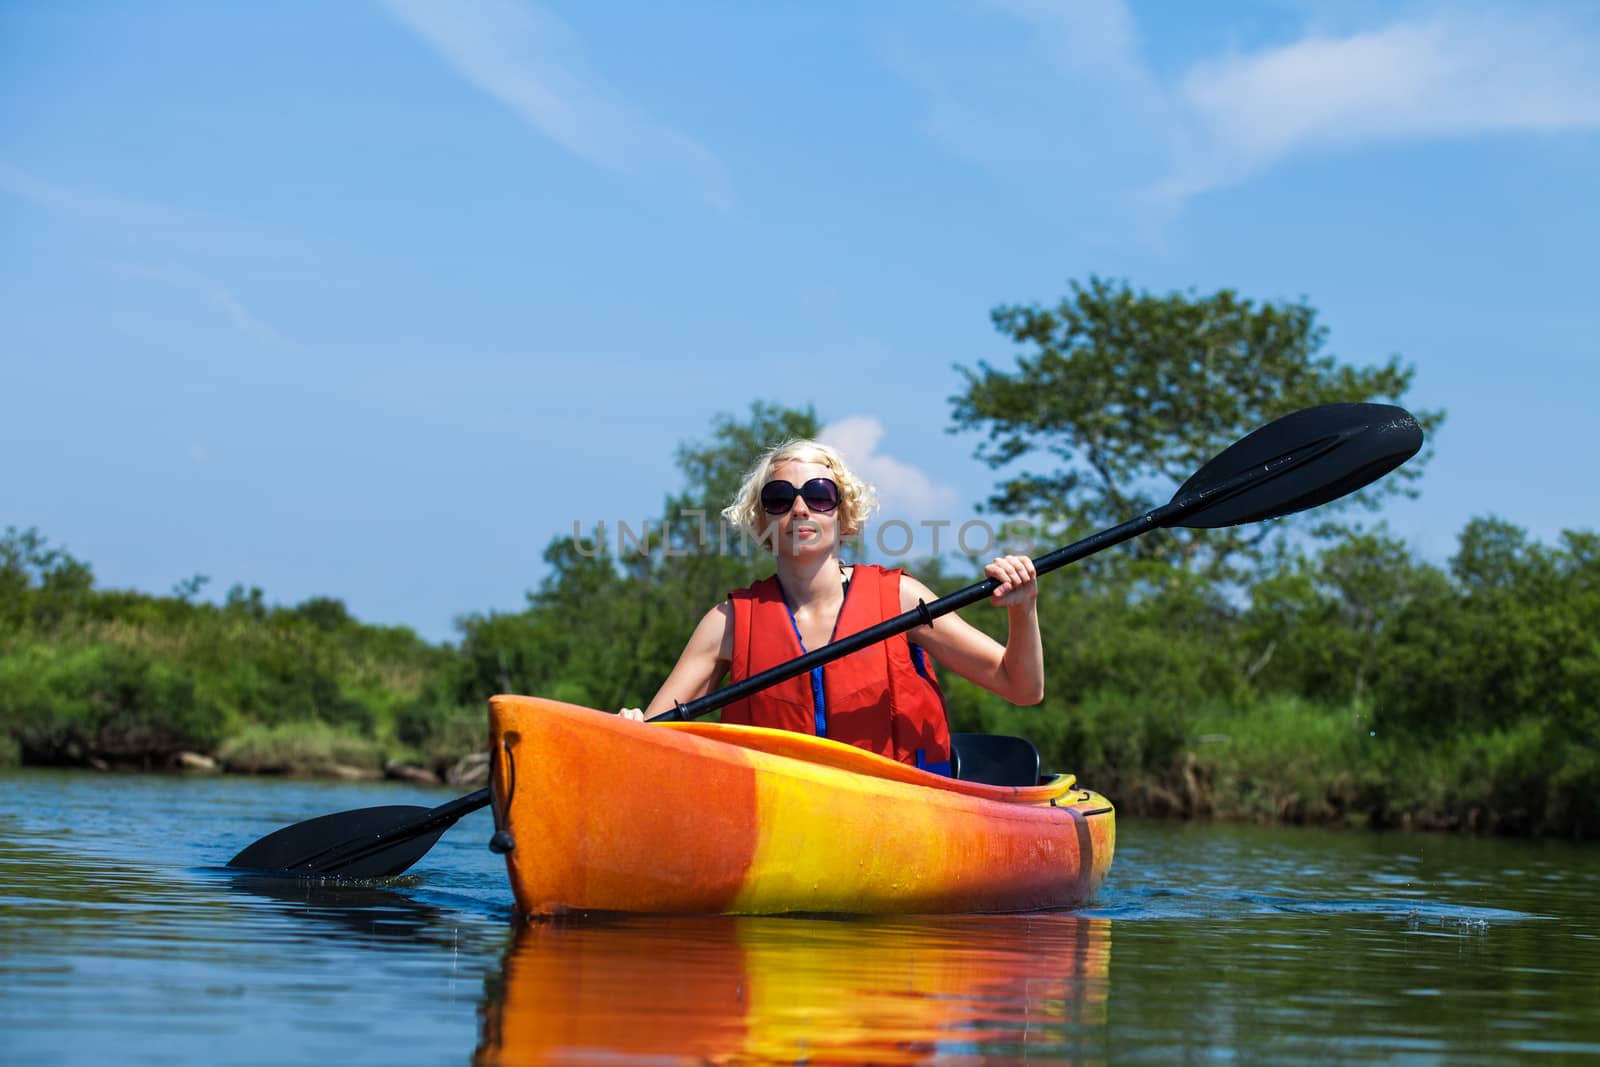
1304 459
364 843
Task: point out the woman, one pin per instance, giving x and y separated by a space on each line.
798 501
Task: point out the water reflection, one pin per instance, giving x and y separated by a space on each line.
759 990
121 941
365 912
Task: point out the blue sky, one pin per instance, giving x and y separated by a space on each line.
372 300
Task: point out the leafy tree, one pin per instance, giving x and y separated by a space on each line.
1126 394
189 588
325 613
39 584
249 604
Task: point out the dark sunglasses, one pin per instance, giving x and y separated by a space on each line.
820 494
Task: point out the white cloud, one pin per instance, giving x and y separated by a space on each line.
1098 110
1455 74
533 63
905 492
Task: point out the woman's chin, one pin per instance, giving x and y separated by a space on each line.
805 544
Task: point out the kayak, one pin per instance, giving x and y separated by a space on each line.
602 813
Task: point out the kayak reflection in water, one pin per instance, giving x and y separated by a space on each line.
799 501
991 989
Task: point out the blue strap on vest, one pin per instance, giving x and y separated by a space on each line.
819 700
917 661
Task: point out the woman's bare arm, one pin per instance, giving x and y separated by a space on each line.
1014 670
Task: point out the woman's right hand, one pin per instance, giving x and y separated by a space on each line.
632 713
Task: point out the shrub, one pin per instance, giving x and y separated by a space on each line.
298 748
66 705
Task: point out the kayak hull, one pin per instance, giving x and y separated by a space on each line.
608 814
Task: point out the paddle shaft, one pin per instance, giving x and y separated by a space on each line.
924 614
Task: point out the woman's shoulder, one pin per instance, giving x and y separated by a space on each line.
912 590
715 626
882 573
763 589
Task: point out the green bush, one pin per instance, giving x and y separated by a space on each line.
298 748
1283 759
460 734
67 705
439 736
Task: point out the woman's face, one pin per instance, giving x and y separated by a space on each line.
802 530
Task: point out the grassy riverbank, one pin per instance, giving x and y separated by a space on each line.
1359 686
118 679
1289 760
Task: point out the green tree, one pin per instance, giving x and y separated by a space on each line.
39 584
1125 394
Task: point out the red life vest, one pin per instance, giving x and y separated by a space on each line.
883 698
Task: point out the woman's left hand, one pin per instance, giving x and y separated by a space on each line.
1019 582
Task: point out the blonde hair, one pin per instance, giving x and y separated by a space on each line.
856 497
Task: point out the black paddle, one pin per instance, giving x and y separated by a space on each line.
1293 463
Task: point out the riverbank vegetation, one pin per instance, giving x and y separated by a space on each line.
1308 670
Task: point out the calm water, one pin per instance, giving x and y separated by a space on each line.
121 940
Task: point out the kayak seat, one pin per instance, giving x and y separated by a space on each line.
994 759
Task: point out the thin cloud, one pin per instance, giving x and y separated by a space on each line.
162 229
212 292
532 62
1100 40
151 223
156 226
82 206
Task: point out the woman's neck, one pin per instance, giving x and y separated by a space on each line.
807 579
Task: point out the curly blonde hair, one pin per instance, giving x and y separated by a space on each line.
856 497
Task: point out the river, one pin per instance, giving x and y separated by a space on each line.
123 939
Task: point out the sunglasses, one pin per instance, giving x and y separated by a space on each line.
820 494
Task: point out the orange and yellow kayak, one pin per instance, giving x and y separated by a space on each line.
608 814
